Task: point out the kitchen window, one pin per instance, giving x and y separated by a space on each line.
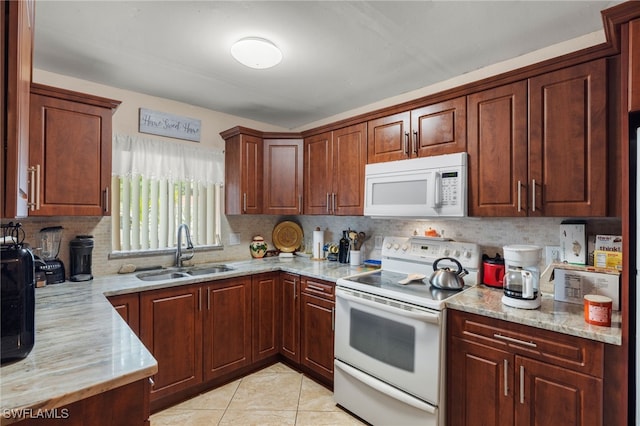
158 185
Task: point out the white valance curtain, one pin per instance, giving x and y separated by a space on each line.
158 185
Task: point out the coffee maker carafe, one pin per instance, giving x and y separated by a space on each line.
48 250
522 276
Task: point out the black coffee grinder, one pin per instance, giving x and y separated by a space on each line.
48 250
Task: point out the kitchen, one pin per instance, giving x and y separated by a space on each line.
491 233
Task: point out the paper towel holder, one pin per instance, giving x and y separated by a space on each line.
317 249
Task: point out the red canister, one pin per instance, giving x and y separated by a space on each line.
492 270
597 310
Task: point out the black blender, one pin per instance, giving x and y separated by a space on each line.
49 248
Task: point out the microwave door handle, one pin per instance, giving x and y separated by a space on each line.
437 190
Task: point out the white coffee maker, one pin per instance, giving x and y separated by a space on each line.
522 276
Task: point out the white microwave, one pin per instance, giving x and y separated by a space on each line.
420 187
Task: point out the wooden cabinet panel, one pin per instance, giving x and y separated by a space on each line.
316 334
388 138
283 176
227 326
318 174
266 303
497 143
290 317
243 173
17 45
553 394
568 141
480 387
439 128
634 65
349 159
171 328
128 306
70 142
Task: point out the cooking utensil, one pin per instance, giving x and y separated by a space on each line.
447 279
412 277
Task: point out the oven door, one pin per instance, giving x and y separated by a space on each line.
397 343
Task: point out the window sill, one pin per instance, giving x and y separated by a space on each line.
157 252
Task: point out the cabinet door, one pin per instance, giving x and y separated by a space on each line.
497 146
243 174
128 306
349 159
14 120
316 332
227 326
549 395
634 65
283 161
290 319
71 143
171 328
479 385
318 174
439 128
265 295
388 138
568 141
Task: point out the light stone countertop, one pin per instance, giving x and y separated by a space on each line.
83 347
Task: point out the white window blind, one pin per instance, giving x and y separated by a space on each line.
158 185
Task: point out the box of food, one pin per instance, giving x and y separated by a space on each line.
607 259
573 243
608 243
572 285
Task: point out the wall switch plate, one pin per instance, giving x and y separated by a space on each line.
378 241
552 254
234 239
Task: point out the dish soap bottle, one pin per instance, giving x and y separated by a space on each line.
343 249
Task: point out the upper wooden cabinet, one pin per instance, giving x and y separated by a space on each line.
243 164
283 176
555 166
634 65
334 171
16 56
431 130
70 152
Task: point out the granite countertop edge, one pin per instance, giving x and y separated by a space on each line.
83 347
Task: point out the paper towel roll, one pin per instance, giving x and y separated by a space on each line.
318 243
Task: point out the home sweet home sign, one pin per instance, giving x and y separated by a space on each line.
170 125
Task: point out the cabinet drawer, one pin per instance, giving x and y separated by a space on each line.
575 353
318 287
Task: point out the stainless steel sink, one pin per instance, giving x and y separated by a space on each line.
161 275
207 270
183 272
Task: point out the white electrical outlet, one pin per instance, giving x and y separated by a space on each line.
552 254
378 242
234 238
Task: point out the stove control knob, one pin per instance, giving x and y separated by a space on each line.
396 246
446 252
467 254
456 253
405 247
388 246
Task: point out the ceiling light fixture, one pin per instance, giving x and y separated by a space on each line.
256 52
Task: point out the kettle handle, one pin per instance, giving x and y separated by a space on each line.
435 264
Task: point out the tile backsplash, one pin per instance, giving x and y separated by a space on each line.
491 233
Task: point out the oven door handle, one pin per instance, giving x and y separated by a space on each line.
414 314
384 388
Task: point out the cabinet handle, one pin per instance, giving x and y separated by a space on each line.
519 196
295 286
533 195
406 143
151 382
315 287
333 210
106 199
505 379
328 210
35 187
415 142
522 384
200 299
300 204
244 202
333 318
208 299
512 340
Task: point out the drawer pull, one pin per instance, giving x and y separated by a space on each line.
517 341
506 377
522 384
315 287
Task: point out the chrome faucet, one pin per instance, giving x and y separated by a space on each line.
179 256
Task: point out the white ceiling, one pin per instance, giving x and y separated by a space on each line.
338 55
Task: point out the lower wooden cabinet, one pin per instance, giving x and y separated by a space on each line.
265 316
290 316
128 306
317 319
502 373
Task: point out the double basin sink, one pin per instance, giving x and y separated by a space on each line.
187 272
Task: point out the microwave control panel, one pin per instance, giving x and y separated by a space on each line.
450 186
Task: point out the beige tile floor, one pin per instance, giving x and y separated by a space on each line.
276 395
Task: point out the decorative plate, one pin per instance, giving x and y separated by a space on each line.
287 236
